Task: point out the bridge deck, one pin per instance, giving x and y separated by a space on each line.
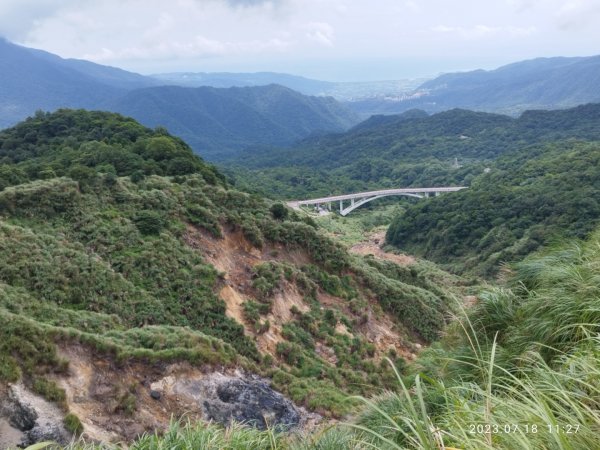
317 201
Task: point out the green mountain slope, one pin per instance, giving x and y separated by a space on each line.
117 240
530 198
518 369
540 184
220 122
407 151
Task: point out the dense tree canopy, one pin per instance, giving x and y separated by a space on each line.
530 198
68 141
408 150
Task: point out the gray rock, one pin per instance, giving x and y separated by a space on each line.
19 415
250 401
45 432
33 417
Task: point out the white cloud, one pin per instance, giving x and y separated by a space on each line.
480 31
321 32
575 14
412 6
199 47
19 17
250 3
268 34
522 5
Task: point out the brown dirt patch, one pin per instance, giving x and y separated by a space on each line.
372 246
95 384
93 389
379 328
235 257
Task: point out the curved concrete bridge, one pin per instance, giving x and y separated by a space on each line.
360 198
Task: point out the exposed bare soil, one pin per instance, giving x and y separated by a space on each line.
372 246
96 388
234 256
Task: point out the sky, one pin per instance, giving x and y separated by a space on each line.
337 40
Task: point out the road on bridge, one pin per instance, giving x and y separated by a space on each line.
360 198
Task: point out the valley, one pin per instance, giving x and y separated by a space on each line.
138 284
153 271
217 260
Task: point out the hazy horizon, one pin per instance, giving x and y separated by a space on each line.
332 40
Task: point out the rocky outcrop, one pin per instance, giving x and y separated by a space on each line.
96 389
26 418
236 397
247 400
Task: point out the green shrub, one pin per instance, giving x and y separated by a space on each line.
73 424
49 390
279 211
149 222
9 369
203 217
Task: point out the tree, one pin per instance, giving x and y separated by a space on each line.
279 211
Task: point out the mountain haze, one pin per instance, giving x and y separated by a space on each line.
542 83
539 83
219 122
213 121
304 85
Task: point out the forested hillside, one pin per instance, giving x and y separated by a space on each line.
119 246
530 198
215 122
407 151
218 123
531 179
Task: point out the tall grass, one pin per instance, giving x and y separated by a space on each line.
519 371
542 407
185 435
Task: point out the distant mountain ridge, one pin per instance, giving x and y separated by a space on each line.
416 136
220 121
542 83
213 120
227 79
32 79
537 83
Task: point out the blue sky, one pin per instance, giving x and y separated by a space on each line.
342 40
